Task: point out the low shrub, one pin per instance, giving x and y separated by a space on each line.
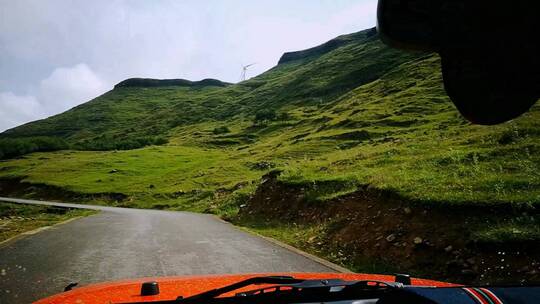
221 130
107 143
15 147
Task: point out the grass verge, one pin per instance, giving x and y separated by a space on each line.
18 218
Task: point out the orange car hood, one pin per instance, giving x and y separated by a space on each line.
172 287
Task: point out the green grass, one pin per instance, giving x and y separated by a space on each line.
521 229
172 173
354 114
18 218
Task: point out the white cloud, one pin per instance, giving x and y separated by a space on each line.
68 87
63 89
16 110
361 15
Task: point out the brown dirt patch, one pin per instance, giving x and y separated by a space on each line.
432 241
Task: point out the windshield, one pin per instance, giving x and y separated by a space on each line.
162 141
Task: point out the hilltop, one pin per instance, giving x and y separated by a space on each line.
152 83
341 124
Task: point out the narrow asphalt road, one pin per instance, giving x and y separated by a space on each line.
119 243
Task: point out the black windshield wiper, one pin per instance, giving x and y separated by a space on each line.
288 289
214 293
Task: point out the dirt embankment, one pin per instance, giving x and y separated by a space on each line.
16 187
378 228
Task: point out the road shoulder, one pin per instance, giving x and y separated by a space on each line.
276 242
20 220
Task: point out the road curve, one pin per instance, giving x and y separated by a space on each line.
120 243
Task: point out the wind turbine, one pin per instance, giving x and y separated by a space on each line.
244 71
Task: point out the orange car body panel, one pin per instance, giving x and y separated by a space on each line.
172 287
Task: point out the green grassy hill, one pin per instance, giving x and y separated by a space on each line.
303 78
347 113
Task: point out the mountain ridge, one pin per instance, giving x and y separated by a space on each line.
151 83
327 46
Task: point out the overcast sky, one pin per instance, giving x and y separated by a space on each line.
57 54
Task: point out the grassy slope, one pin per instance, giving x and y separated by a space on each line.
357 114
17 218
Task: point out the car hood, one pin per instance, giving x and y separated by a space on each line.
172 287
